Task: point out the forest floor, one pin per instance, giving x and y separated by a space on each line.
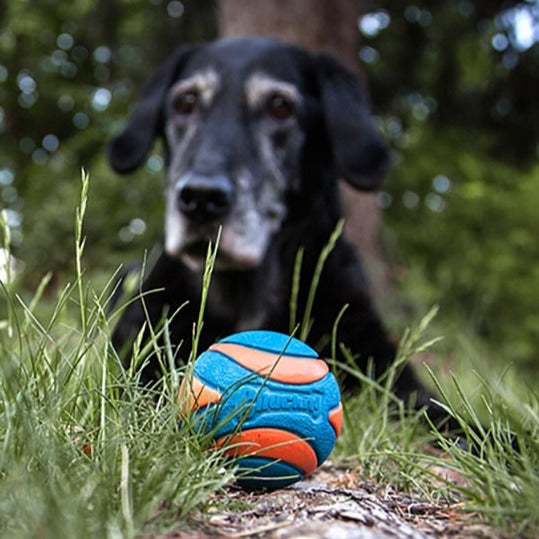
332 504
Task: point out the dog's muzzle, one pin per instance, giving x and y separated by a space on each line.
203 199
199 205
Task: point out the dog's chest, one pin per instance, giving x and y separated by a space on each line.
244 302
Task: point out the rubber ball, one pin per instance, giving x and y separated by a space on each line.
269 402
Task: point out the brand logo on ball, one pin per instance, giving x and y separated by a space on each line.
279 401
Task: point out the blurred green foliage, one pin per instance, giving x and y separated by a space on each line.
454 85
466 225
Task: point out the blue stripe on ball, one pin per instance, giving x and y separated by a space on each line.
255 473
220 372
270 341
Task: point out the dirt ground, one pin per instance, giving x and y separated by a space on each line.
333 504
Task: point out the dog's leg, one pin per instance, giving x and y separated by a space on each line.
158 296
361 331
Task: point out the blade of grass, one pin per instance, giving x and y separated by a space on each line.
80 242
324 254
296 278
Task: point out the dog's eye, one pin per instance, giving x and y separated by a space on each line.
185 103
280 107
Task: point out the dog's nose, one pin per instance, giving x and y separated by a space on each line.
204 198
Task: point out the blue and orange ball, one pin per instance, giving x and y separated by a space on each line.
270 402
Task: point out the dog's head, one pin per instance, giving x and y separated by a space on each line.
243 120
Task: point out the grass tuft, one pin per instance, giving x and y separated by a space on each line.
85 451
501 467
497 471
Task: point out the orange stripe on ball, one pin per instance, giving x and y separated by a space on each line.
195 394
289 369
273 444
335 418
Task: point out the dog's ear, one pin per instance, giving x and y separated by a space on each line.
361 155
128 149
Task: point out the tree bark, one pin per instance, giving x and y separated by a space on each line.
318 25
328 25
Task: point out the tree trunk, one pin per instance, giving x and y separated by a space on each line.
319 25
327 25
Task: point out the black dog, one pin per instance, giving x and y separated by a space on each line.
256 135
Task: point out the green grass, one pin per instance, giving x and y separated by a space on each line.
86 452
497 413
